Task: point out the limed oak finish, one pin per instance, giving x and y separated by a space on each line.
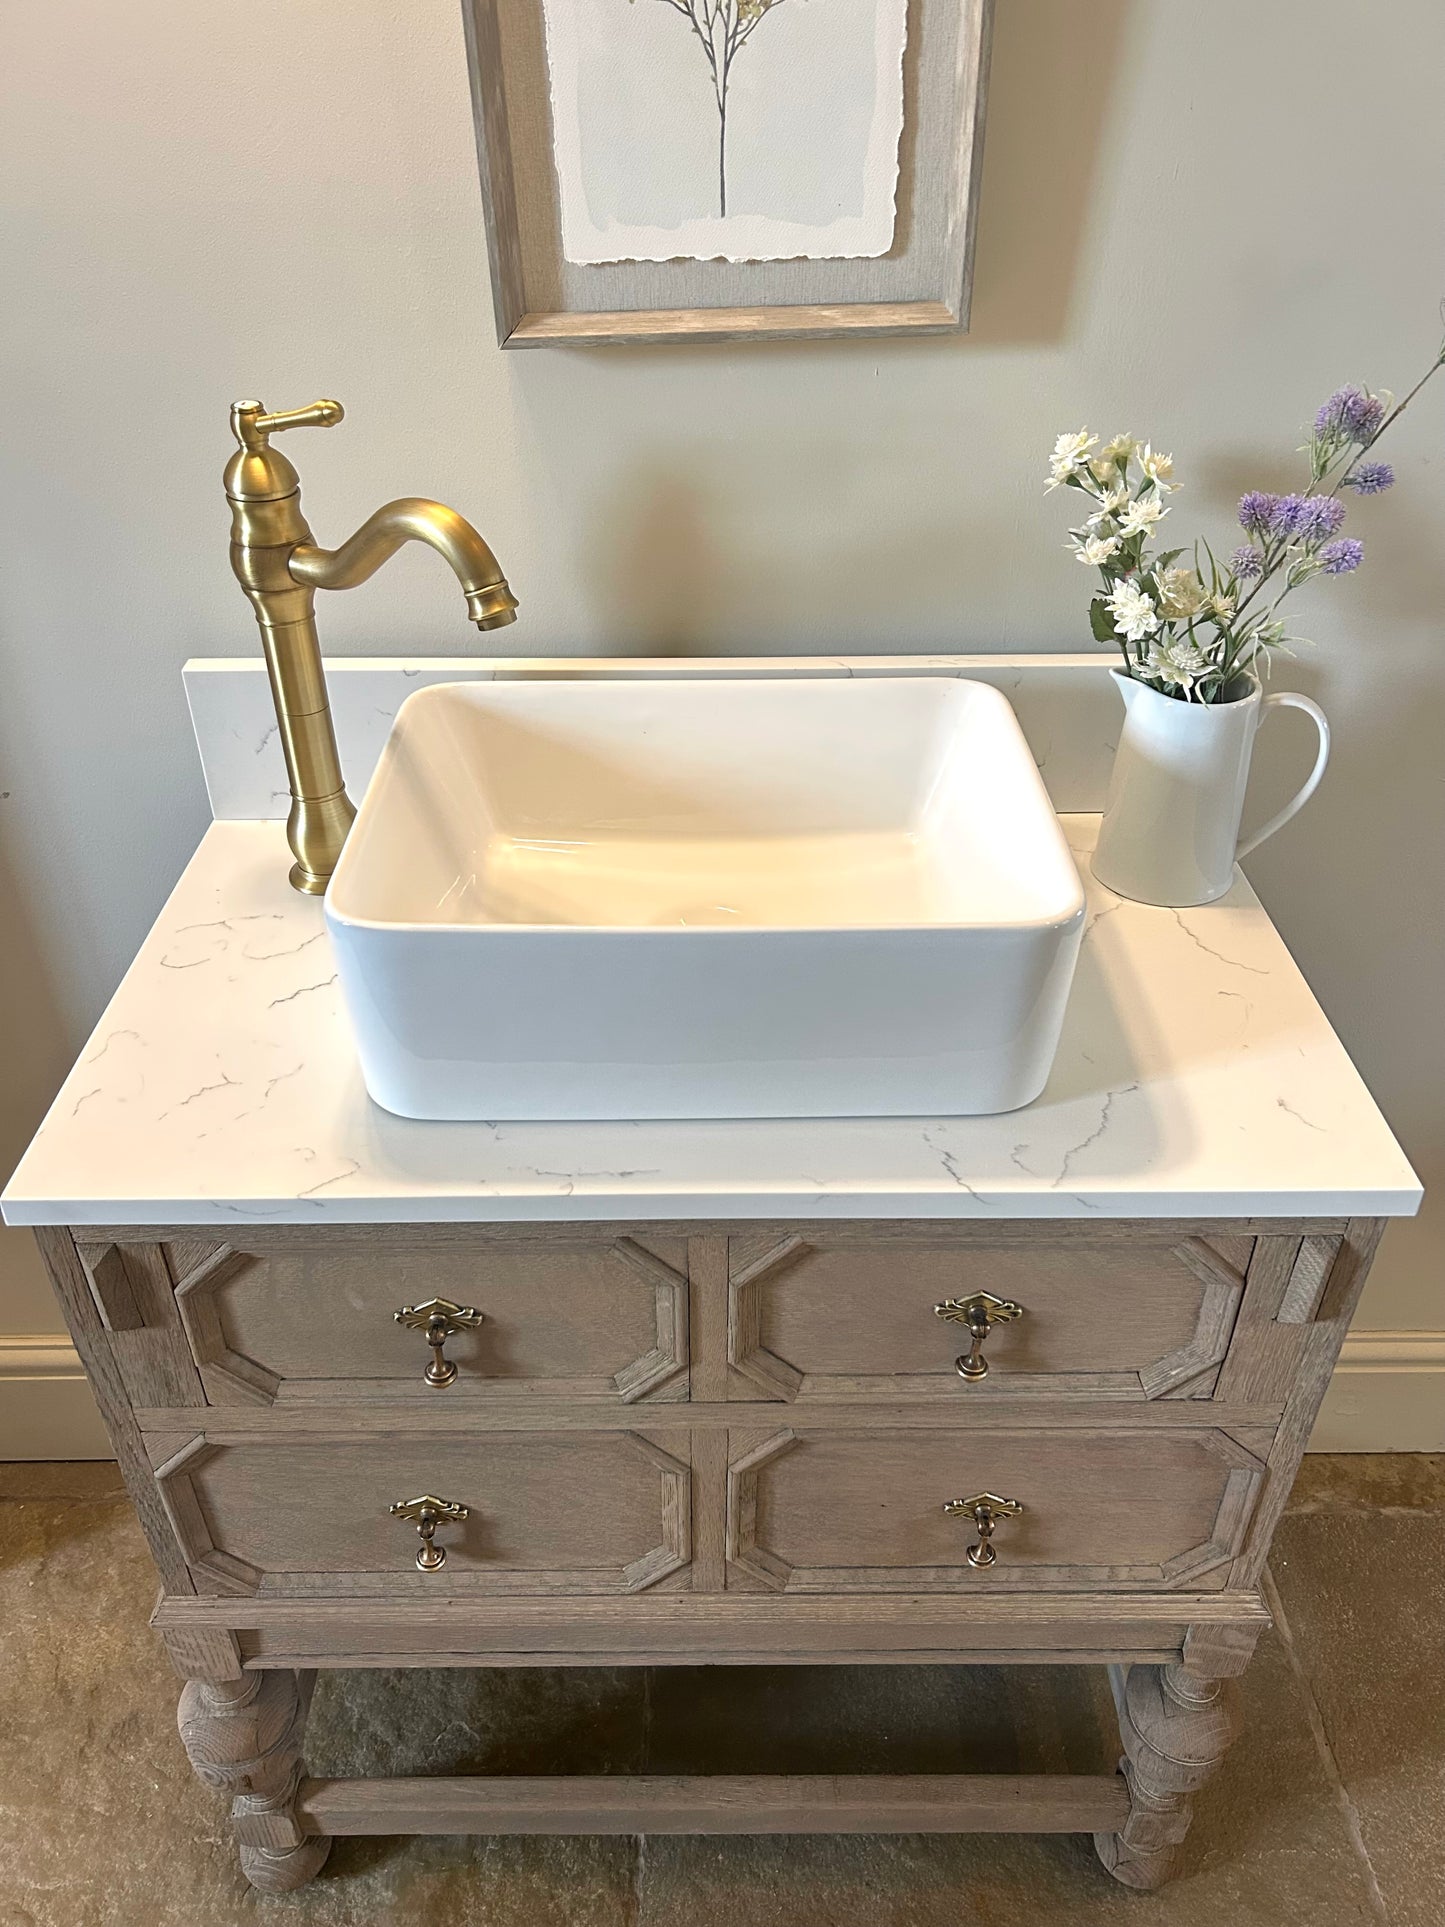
729 1443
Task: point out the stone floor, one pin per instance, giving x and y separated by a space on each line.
1329 1810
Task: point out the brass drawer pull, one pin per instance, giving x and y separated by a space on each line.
985 1509
980 1312
439 1318
429 1511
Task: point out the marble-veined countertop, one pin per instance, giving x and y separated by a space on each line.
1197 1077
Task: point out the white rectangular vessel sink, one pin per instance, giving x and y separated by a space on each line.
750 898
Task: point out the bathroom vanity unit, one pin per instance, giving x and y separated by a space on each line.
1029 1388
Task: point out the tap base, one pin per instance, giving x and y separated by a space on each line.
307 882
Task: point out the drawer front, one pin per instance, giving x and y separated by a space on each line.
545 1513
859 1512
1118 1318
594 1319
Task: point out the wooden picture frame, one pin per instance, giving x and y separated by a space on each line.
920 287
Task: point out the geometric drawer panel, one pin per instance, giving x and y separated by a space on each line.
863 1511
558 1512
600 1319
1105 1317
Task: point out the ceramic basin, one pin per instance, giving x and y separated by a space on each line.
750 898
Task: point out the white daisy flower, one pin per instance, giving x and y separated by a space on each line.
1094 549
1177 661
1159 468
1143 515
1134 613
1181 593
1069 456
1109 507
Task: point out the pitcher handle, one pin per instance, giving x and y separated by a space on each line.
1290 699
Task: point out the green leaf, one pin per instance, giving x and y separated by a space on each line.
1101 623
1163 560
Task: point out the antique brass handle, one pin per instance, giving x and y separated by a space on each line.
429 1511
980 1312
985 1509
439 1318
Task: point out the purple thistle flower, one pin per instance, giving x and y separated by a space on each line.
1255 510
1371 478
1342 557
1288 517
1247 564
1351 412
1331 418
1362 418
1321 515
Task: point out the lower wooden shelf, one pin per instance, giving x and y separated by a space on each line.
720 1803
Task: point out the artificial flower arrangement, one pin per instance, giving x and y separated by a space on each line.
1194 632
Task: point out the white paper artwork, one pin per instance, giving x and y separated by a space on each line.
750 130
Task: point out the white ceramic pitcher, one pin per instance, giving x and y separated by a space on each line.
1170 832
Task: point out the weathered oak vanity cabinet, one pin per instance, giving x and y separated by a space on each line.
1029 1388
673 1443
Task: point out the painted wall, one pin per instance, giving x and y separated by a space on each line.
1196 220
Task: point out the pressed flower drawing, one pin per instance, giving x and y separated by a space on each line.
723 28
1192 633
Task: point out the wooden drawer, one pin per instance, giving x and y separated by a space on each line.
1127 1316
859 1512
602 1317
578 1513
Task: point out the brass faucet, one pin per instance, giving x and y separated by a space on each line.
280 568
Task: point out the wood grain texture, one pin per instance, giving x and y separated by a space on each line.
1315 1349
707 1268
709 1510
244 1737
850 1512
334 1235
166 1430
1176 1728
921 285
72 1288
604 1318
574 1513
1103 1318
494 159
719 1803
620 328
1220 1650
131 1287
668 1628
203 1652
644 1505
739 1616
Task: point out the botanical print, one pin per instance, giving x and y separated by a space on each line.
747 130
722 28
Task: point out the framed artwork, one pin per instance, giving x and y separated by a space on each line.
725 170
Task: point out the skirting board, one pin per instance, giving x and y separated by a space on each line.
1387 1395
46 1410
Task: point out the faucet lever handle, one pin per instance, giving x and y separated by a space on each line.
252 424
317 414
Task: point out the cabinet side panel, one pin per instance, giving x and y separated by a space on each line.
67 1275
1320 1348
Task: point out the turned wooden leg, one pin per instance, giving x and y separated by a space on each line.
243 1736
1176 1728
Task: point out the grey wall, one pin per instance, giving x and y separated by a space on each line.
1196 220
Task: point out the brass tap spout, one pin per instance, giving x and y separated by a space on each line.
490 603
281 568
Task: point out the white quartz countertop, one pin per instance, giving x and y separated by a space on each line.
1197 1077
